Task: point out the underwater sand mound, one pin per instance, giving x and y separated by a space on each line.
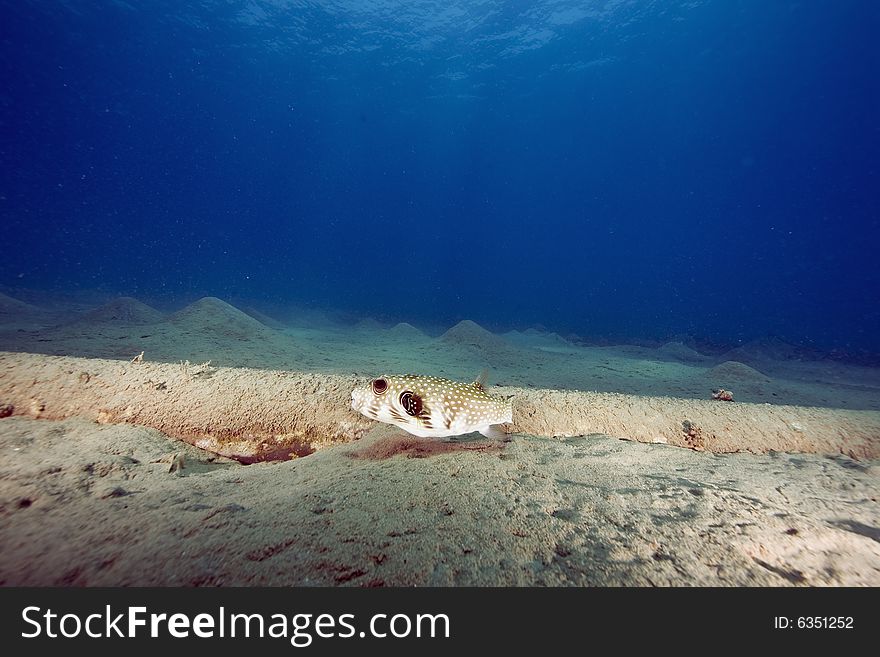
262 318
536 339
732 370
14 307
763 349
405 330
124 310
470 334
369 324
212 315
556 339
681 352
544 336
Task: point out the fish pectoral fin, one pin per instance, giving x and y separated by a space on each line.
424 419
494 432
482 380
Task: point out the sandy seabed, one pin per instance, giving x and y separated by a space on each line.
620 469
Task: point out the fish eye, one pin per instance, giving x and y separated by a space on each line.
379 386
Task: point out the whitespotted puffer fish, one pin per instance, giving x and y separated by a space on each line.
431 407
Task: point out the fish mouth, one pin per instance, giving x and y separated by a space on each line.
357 401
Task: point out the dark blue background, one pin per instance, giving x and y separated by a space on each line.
709 168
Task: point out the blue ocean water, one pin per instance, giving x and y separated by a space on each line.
612 168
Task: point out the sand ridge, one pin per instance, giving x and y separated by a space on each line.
256 414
